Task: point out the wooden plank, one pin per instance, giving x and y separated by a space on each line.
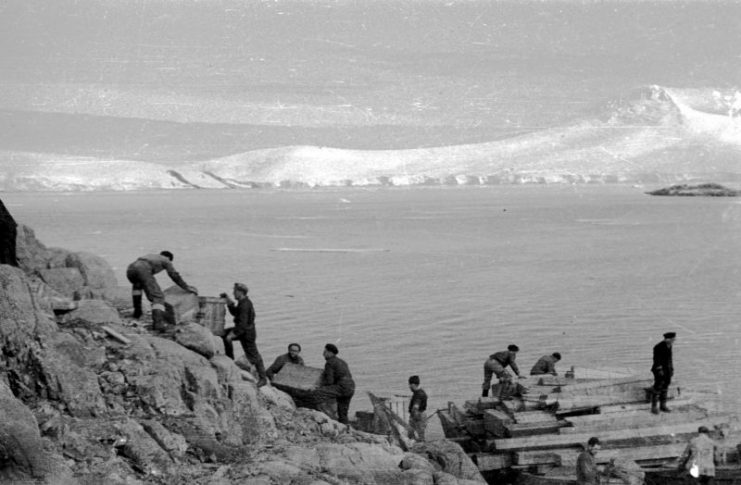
632 419
539 457
495 420
606 387
571 404
534 417
529 429
637 436
555 381
116 335
491 461
673 396
639 454
479 405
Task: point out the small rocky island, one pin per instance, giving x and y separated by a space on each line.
701 190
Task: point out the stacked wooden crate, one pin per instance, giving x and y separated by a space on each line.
548 426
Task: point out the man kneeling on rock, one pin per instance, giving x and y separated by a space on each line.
243 329
337 383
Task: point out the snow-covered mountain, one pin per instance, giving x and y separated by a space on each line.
655 134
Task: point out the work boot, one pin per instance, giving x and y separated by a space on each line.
158 320
663 407
654 402
262 382
137 299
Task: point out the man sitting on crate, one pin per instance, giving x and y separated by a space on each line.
243 329
141 273
292 357
546 365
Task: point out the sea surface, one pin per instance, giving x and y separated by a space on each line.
430 281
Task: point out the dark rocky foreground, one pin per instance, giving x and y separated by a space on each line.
81 406
701 190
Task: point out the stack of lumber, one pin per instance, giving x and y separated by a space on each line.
548 426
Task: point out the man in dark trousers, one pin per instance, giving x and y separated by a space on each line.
546 365
336 382
663 370
292 357
496 364
141 275
8 235
243 329
417 408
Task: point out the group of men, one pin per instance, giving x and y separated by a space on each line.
337 381
662 369
701 454
497 363
698 460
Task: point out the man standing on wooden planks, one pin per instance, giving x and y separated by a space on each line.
496 365
663 370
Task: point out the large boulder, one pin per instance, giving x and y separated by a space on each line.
450 457
22 448
67 281
197 338
208 406
32 254
65 373
20 327
95 270
94 311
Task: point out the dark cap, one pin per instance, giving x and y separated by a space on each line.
167 254
331 348
703 429
414 380
241 287
593 441
557 355
670 335
513 348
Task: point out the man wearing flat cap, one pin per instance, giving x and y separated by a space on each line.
243 329
663 370
337 383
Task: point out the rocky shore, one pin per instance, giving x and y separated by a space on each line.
90 396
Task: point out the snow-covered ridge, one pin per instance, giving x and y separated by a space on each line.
653 135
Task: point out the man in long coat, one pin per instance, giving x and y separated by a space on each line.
663 370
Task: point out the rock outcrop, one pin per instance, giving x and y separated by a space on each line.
89 396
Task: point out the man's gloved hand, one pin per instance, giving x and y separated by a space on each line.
193 290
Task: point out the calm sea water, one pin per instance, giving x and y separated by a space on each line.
430 281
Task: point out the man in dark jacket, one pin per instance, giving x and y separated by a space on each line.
663 370
417 408
8 235
292 357
141 273
337 382
243 329
496 365
546 365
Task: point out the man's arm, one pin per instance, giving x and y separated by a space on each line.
275 368
242 313
328 376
